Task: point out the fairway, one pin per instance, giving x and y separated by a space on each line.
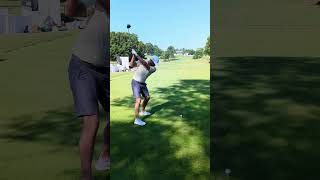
265 86
266 117
38 129
169 146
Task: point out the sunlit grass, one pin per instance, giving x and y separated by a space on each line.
174 144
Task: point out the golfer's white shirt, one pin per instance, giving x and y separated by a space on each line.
92 44
142 73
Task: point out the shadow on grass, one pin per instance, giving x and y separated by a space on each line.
266 117
168 147
59 128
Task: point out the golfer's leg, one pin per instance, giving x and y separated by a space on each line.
136 107
86 146
145 94
145 103
104 99
83 86
136 93
106 142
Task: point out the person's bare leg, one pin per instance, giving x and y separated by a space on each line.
86 146
145 103
106 142
136 108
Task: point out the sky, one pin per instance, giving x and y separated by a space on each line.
180 23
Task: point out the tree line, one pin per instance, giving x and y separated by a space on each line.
121 44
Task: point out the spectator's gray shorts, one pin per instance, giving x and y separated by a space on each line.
90 85
139 88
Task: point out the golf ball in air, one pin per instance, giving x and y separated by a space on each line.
181 115
227 171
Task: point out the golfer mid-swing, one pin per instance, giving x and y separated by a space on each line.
139 86
89 82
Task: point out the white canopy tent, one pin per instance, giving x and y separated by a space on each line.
125 62
43 10
50 8
4 20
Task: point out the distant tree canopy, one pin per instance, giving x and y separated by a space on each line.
171 51
152 49
165 55
157 51
121 44
190 51
207 47
198 54
149 48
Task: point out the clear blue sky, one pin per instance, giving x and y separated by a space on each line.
180 23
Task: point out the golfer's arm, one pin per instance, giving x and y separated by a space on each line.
143 62
132 63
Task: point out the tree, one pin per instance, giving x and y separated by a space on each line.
183 51
157 51
141 49
198 54
190 51
207 47
165 55
171 50
149 48
121 44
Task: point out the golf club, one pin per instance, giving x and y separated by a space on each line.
128 27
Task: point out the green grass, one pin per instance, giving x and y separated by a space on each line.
168 147
38 129
265 89
266 117
39 133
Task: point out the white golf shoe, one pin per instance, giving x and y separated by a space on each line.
144 113
139 122
102 164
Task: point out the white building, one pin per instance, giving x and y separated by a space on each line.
181 53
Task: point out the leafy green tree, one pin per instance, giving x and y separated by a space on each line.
149 48
121 44
207 47
157 51
183 50
190 51
166 55
198 54
171 50
141 49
